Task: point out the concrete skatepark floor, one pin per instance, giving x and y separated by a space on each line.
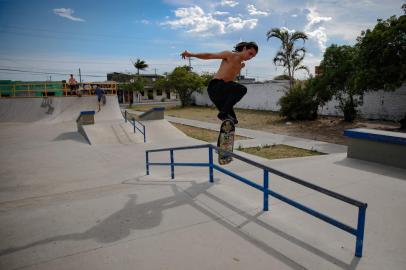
66 204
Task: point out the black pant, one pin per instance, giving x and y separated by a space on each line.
225 95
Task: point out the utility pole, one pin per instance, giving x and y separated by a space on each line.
190 65
155 71
80 76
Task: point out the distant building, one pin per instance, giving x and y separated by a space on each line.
243 79
318 71
148 94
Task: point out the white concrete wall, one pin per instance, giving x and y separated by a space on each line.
377 105
261 96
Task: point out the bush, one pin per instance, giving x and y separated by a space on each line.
348 107
299 103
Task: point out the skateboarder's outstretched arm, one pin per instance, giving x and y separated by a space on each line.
206 56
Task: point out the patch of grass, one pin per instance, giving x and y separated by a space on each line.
278 151
202 134
247 118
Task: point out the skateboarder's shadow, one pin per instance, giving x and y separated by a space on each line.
145 216
132 216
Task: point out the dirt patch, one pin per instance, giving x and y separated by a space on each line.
279 151
202 134
327 129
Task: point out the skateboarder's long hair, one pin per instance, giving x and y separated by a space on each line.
248 45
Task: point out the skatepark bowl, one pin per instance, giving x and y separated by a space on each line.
357 232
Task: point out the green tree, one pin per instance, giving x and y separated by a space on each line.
288 56
382 55
207 77
377 61
163 84
140 65
339 73
184 83
134 86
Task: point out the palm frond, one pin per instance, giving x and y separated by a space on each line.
302 68
298 35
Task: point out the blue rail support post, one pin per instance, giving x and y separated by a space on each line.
144 134
211 164
172 166
147 162
266 185
134 124
360 231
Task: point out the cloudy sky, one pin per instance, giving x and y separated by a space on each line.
49 39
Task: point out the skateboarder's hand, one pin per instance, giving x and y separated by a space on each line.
185 54
242 65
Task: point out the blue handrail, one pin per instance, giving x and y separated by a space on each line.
357 232
132 121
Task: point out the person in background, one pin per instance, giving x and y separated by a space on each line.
73 84
100 94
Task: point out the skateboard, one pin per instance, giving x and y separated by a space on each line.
226 141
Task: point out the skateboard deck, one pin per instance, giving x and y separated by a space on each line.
226 141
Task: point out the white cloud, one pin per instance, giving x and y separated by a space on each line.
195 20
314 18
294 15
67 13
229 3
314 30
220 13
252 10
236 23
287 29
320 36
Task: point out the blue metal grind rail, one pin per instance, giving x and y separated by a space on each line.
357 232
133 121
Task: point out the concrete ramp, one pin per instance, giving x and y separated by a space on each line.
162 130
115 132
56 109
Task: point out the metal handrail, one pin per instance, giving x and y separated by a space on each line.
134 126
10 90
357 232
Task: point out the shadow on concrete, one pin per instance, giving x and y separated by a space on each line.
147 215
72 136
372 167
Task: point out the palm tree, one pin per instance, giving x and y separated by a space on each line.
140 65
288 56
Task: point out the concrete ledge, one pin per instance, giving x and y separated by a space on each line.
379 146
377 135
85 118
153 114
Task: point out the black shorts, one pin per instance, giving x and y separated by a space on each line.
225 94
